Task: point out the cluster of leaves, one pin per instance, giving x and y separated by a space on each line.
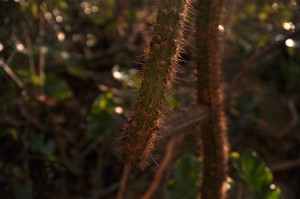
250 168
186 178
253 171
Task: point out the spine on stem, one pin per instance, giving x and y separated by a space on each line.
209 93
140 130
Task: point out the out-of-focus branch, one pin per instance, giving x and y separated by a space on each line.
48 15
163 166
285 165
41 49
97 177
106 53
12 75
268 127
26 114
11 57
126 171
90 148
259 54
113 187
183 121
29 48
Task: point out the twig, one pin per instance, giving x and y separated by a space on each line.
107 53
293 110
29 48
89 148
97 176
113 187
26 160
184 120
12 121
126 171
12 75
50 20
267 127
11 57
63 156
261 123
259 54
26 155
164 165
41 50
24 112
228 19
285 165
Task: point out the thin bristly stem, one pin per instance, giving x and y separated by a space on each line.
163 166
124 179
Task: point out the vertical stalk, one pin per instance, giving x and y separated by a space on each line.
42 57
213 130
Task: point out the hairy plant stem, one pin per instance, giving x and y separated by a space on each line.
158 73
213 130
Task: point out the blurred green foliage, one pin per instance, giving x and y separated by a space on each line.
250 168
102 117
253 171
185 183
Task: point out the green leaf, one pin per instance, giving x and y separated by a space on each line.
186 179
36 80
12 132
35 10
57 89
102 117
39 144
75 69
253 171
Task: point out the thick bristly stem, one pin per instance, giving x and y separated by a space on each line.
158 73
213 130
